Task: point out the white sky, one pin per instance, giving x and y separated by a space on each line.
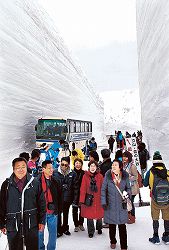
102 35
93 23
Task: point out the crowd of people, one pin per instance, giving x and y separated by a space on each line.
33 198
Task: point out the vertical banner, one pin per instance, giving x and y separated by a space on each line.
131 145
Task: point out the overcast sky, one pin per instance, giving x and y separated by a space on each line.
102 34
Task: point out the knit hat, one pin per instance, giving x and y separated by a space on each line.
157 158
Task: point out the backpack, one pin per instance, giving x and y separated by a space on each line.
161 191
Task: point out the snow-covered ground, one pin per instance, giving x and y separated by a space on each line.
122 110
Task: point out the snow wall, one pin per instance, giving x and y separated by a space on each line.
153 63
38 78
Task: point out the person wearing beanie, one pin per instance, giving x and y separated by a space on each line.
157 158
157 178
91 185
115 213
133 178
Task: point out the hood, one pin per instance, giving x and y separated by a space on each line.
160 170
67 172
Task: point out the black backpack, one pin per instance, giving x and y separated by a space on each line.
161 190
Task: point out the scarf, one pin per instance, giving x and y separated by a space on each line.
93 186
116 179
46 190
127 167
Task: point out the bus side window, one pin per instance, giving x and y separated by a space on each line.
86 127
82 127
77 126
72 127
90 127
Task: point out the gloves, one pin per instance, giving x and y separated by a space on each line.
104 206
125 195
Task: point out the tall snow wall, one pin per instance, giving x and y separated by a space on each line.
153 63
38 78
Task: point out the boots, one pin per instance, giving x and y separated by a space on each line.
113 246
131 219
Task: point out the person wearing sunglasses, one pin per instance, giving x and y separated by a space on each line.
67 178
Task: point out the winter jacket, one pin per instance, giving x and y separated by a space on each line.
68 184
111 141
56 193
34 210
92 145
133 178
105 166
143 157
79 153
54 153
80 174
95 211
112 200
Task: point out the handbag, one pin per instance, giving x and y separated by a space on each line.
88 200
127 201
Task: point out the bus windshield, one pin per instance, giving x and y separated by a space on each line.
51 129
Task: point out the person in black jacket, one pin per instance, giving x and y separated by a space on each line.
143 157
67 179
52 194
78 164
106 164
22 208
111 141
